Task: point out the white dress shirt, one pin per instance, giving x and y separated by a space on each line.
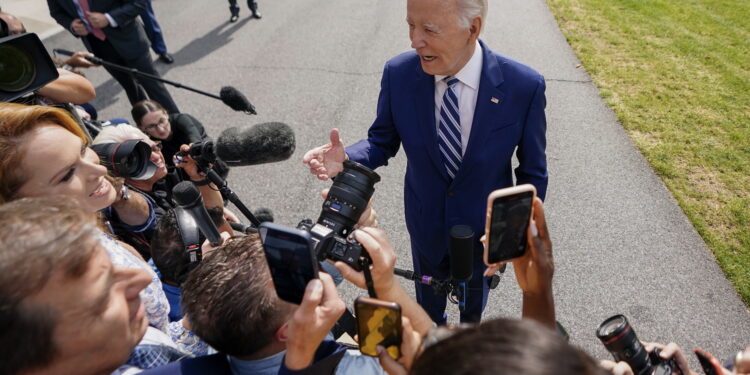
466 90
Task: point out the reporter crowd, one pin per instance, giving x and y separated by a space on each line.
96 276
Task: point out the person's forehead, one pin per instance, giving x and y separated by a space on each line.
432 11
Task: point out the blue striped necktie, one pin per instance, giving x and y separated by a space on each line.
449 130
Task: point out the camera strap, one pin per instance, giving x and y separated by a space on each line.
368 279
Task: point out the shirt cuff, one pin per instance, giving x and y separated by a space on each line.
111 20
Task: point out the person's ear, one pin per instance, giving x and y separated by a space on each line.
475 28
281 334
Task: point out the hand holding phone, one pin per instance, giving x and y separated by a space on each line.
378 323
508 217
291 260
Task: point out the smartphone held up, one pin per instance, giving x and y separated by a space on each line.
508 218
291 260
378 323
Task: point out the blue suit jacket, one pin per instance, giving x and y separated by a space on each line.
509 113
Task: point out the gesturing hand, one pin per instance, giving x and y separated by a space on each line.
328 160
321 307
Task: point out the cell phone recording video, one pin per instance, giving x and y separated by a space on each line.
508 217
290 257
378 323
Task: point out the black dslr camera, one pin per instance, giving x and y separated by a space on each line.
346 201
129 159
620 340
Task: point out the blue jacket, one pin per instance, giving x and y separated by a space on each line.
509 113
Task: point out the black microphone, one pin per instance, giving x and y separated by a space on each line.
258 144
235 100
189 198
263 214
462 253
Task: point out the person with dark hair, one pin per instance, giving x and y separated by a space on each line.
171 258
232 305
172 131
66 309
110 30
498 347
234 10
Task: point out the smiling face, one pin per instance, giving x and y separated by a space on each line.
443 45
57 162
156 124
99 316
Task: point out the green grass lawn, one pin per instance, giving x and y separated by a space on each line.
677 74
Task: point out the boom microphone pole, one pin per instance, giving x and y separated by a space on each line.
229 95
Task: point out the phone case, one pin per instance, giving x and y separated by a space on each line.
499 193
291 268
709 363
378 323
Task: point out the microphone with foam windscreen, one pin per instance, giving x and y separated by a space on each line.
257 144
187 196
235 100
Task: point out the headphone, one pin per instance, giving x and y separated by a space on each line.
190 235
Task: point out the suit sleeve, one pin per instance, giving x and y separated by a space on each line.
62 17
383 140
190 128
532 168
127 12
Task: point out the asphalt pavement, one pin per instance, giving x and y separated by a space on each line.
621 243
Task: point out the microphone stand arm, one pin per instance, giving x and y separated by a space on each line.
136 72
227 192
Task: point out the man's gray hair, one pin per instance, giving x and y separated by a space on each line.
469 9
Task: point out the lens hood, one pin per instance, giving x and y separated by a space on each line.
129 159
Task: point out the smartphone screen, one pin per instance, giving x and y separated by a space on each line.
289 254
378 323
508 224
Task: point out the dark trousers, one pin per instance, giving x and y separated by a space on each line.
434 304
252 4
153 30
136 88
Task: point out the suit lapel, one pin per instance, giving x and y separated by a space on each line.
489 100
425 108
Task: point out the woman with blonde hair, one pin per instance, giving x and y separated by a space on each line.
44 152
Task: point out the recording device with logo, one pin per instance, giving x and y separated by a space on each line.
290 257
508 217
378 323
130 159
25 66
621 341
346 201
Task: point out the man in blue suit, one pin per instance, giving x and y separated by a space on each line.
460 111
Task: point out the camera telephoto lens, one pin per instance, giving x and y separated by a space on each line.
621 341
17 70
347 199
129 159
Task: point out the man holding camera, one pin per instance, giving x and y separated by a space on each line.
110 30
460 111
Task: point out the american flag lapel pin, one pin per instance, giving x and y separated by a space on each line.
495 100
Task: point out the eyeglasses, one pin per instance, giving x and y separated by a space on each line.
150 127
